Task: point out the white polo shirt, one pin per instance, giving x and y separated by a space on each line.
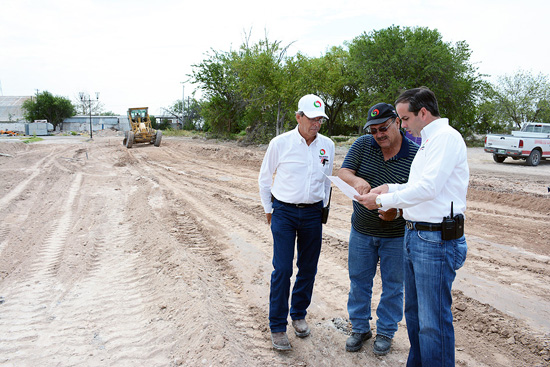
300 170
439 174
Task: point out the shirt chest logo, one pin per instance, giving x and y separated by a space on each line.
323 157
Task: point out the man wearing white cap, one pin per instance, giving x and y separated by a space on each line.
293 203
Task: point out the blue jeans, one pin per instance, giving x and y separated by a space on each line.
364 253
292 226
430 269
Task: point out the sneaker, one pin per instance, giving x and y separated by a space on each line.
381 345
280 341
355 341
301 328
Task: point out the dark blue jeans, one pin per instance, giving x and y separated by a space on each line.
364 253
430 269
293 226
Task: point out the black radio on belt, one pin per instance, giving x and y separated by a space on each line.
452 227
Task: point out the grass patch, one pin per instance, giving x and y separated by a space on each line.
184 133
34 139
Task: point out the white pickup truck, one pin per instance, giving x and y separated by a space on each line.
531 143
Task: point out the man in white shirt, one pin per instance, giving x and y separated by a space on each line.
435 247
293 203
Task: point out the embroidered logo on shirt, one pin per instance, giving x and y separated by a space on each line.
423 145
323 156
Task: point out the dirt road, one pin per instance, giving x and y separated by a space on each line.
162 257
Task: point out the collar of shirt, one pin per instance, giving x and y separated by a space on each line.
300 170
439 175
403 151
430 129
299 139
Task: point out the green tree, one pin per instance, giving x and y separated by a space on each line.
248 89
522 97
391 60
190 115
217 77
265 84
48 107
330 78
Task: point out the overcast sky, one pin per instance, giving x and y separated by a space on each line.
136 53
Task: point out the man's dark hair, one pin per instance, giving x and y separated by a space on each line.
418 98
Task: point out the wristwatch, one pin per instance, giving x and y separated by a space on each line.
379 201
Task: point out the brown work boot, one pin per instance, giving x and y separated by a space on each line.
301 329
280 341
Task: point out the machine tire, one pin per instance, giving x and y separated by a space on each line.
130 140
125 138
158 138
534 158
499 158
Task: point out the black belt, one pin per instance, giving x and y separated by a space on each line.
300 206
423 226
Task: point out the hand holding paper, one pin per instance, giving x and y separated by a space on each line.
348 190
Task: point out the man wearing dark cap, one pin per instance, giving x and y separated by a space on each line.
433 203
376 235
293 203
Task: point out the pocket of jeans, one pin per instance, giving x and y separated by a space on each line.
276 205
461 250
433 237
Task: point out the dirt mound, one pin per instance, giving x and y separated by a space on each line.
10 147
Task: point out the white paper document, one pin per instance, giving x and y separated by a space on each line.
343 185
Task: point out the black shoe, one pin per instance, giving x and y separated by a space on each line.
355 341
381 345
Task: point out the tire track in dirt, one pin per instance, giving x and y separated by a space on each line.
202 232
50 254
254 245
34 296
167 263
102 314
35 170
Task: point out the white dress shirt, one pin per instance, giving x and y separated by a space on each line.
439 174
300 170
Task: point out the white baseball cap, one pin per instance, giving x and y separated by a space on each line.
312 106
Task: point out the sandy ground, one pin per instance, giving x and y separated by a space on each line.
162 257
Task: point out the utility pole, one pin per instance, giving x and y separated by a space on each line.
83 97
182 103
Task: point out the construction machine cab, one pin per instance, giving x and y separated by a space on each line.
141 130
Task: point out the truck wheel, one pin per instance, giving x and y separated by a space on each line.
534 158
130 139
158 138
499 158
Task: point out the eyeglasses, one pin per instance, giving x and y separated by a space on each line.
382 129
317 120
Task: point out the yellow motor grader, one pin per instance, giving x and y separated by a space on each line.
140 128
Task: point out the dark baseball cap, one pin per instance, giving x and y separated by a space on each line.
380 113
